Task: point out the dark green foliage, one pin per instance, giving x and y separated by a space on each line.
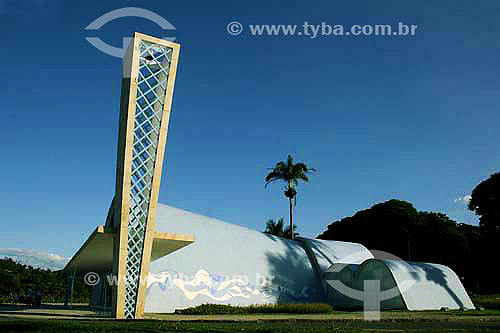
18 279
398 228
277 229
290 173
491 302
485 202
441 240
385 226
216 309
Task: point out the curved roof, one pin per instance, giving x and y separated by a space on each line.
327 252
410 285
211 269
435 286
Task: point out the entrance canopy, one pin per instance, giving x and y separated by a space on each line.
96 254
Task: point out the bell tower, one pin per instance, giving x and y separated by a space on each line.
149 69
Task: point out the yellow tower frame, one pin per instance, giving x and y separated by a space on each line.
149 69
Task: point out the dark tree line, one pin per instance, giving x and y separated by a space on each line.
396 227
18 279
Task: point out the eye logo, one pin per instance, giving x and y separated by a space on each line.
372 294
119 13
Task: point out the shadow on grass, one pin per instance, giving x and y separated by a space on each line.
51 310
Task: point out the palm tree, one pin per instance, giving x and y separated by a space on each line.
290 173
276 228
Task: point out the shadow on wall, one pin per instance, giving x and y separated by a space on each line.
293 277
438 276
320 248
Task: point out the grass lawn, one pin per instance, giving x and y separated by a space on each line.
81 319
487 301
431 321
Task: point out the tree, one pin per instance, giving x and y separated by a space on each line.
276 228
485 202
386 226
290 173
17 278
440 240
396 227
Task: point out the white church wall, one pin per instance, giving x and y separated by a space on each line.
227 264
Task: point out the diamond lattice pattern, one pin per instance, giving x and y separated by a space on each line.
151 87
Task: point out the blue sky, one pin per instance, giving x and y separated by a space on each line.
414 117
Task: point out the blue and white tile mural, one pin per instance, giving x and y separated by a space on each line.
219 288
